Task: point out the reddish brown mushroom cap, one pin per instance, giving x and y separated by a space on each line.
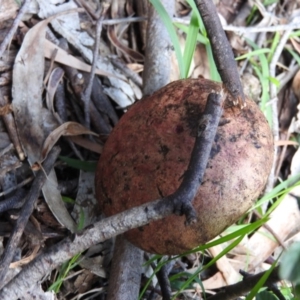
148 152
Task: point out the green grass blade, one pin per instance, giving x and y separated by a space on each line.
295 55
86 166
261 282
275 41
281 188
214 74
196 12
200 38
253 53
222 253
190 44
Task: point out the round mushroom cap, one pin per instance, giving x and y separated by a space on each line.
147 153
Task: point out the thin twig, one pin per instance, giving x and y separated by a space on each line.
17 186
125 70
207 129
117 224
222 51
11 127
15 201
86 96
14 26
26 211
273 95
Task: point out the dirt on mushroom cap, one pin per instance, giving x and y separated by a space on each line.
148 152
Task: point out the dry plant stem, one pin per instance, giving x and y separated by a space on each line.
14 26
105 229
222 51
15 201
273 28
163 280
18 186
127 259
199 157
26 211
246 285
274 99
11 127
128 72
156 75
164 283
157 67
273 287
86 96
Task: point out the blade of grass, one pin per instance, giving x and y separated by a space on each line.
247 229
261 282
239 231
86 166
195 10
224 252
214 74
253 53
278 190
294 54
275 41
64 271
190 44
200 38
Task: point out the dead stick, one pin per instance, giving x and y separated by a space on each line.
26 211
222 51
14 26
86 96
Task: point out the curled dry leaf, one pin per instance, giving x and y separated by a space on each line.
34 122
54 80
65 58
116 42
87 144
66 129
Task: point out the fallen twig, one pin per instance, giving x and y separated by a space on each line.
222 51
26 211
14 26
86 95
273 96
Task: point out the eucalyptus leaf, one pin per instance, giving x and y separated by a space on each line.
289 268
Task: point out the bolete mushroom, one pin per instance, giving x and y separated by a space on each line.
147 153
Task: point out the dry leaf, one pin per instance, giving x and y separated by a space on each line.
53 82
65 58
33 121
87 144
66 129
